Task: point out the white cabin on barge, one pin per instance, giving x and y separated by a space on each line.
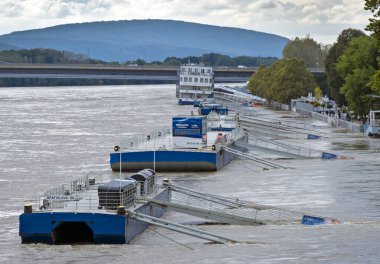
195 82
373 128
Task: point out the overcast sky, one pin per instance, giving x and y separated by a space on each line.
322 19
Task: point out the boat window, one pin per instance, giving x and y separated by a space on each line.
190 79
208 70
202 70
201 80
185 79
196 69
183 69
195 79
206 80
181 79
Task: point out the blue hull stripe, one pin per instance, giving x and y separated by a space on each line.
174 160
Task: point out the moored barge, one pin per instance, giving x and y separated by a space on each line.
92 212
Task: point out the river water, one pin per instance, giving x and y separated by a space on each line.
50 136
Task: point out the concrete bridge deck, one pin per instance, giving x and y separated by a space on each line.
120 72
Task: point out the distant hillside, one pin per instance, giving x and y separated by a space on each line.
151 39
6 47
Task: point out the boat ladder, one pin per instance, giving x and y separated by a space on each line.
183 229
272 165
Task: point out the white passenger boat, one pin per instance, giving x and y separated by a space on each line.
195 82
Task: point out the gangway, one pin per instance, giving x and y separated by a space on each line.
282 148
237 107
183 229
279 127
286 123
231 210
289 150
255 159
273 132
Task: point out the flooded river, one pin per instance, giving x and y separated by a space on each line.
50 136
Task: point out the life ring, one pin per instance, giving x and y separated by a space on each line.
116 148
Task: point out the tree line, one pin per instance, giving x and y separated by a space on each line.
351 65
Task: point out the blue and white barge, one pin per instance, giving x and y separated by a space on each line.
89 210
195 143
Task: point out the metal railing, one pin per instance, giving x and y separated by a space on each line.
281 147
332 121
156 138
82 194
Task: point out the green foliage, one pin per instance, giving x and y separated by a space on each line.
374 27
45 56
312 53
285 80
375 82
335 82
318 94
211 59
172 61
374 23
219 60
356 67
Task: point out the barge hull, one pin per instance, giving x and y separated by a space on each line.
53 227
176 160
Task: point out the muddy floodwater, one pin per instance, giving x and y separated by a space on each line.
50 136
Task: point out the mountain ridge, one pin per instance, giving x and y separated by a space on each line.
150 39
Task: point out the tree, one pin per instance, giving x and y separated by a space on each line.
356 66
285 80
318 94
334 80
172 61
374 26
307 49
374 23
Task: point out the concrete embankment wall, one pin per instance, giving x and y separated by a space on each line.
279 106
306 109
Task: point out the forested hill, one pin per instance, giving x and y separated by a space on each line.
147 39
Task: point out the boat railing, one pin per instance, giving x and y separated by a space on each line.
60 196
229 138
283 147
225 120
154 139
192 73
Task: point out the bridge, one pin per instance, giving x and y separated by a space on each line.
118 72
113 72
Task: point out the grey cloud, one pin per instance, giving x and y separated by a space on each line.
268 5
